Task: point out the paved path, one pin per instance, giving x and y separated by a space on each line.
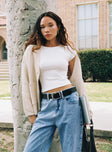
6 111
102 115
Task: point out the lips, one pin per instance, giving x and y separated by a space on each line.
47 35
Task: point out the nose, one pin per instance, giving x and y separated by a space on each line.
46 29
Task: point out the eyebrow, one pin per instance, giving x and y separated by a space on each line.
48 23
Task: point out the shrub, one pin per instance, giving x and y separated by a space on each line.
96 64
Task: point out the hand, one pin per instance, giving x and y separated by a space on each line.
32 119
84 124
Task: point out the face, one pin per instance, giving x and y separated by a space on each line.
49 28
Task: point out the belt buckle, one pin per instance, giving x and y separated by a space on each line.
52 95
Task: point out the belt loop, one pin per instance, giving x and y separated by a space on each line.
61 92
48 96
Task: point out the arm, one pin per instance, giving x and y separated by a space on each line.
76 78
26 97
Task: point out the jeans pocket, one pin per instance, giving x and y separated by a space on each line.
72 98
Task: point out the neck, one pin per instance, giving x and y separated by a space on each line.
52 43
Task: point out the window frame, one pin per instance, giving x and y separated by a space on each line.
0 6
77 19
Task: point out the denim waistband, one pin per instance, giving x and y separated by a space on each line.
60 94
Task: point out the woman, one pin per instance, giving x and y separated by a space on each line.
51 64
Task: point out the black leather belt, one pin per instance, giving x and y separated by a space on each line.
59 94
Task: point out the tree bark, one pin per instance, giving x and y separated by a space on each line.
21 16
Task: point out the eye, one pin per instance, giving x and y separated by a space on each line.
42 27
50 25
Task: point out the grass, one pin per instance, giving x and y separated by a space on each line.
4 89
7 142
103 144
101 92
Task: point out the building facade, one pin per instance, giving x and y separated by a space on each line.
3 50
88 22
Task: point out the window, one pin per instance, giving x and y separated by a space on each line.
88 26
110 25
0 6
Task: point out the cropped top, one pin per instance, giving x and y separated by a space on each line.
54 66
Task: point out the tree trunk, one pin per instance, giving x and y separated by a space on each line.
21 16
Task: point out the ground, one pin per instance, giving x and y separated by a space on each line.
7 142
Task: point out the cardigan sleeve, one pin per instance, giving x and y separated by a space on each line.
26 96
77 80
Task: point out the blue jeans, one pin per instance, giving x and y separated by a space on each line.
66 115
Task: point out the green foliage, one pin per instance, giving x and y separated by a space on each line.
96 64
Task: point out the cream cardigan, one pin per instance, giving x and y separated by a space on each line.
30 81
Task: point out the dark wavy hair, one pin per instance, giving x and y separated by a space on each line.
37 39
